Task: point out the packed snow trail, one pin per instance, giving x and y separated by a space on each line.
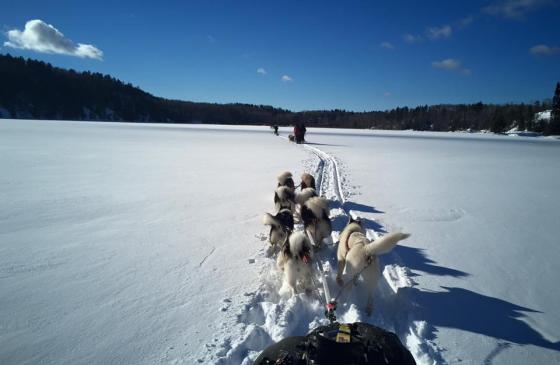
395 275
269 317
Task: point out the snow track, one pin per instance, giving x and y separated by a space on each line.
268 317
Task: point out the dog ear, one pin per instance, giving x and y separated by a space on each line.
276 198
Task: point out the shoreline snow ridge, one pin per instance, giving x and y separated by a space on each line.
269 317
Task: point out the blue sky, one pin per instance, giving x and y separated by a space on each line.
354 55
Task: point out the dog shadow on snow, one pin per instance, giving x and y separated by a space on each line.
452 307
339 222
460 308
466 310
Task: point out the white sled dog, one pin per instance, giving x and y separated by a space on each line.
356 252
284 198
295 260
281 226
316 221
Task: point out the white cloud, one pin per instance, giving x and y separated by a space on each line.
515 9
412 38
439 32
447 64
466 21
387 45
451 64
42 37
544 50
286 78
261 71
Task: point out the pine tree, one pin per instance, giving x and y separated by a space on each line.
555 115
498 122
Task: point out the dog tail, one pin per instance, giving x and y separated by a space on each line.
300 244
319 206
385 244
305 195
269 220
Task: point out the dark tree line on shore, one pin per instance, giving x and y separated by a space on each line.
37 90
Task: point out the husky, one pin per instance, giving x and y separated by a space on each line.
307 181
281 226
295 260
284 198
285 179
356 252
316 221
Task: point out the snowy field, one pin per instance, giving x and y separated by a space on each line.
143 243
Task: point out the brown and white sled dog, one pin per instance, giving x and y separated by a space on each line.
295 260
285 179
284 198
281 226
307 191
316 221
307 181
356 252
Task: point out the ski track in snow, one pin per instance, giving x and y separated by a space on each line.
206 257
268 317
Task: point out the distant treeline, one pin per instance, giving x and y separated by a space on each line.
37 90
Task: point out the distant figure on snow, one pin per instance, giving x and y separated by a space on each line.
303 130
299 132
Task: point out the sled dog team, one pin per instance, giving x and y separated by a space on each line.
356 254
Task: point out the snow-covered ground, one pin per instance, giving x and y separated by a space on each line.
142 243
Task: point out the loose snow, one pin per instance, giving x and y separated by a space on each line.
142 243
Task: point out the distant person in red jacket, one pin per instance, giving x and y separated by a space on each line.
298 133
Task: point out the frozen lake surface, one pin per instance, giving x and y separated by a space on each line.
143 243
